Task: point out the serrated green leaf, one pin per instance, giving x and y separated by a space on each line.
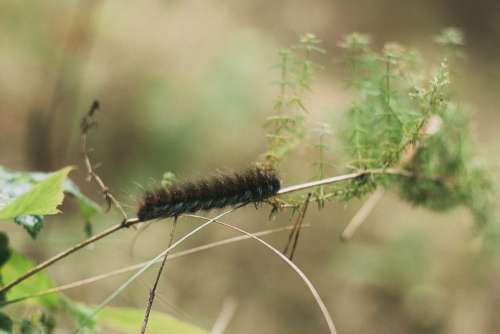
42 199
128 320
14 184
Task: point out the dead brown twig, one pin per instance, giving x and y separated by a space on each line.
152 292
296 229
88 122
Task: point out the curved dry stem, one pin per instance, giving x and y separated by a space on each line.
314 292
122 287
67 252
120 271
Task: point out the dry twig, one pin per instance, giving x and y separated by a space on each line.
87 123
113 273
152 292
296 229
314 292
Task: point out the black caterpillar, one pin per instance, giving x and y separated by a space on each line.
251 186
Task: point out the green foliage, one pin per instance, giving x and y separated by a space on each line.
42 199
17 265
122 319
6 324
33 224
321 165
28 197
126 320
88 208
38 324
286 126
405 115
5 251
384 117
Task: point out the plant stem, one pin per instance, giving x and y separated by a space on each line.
67 252
152 293
132 278
314 292
93 279
345 177
132 221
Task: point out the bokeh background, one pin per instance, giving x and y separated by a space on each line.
185 86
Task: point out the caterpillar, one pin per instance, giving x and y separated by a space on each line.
251 186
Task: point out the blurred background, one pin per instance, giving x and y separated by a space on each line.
185 86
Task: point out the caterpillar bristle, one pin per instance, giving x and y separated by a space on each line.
251 186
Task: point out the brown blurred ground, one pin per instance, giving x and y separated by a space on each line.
185 86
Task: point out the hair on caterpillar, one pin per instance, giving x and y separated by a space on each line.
251 186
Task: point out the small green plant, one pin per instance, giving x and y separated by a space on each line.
405 118
407 115
286 125
321 165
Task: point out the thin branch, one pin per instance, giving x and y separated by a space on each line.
132 221
294 235
298 229
346 177
362 214
86 124
132 278
229 307
152 293
124 270
292 265
67 252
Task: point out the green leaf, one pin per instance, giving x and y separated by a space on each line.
47 322
5 324
17 265
128 320
15 184
4 249
88 208
31 223
26 327
42 199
